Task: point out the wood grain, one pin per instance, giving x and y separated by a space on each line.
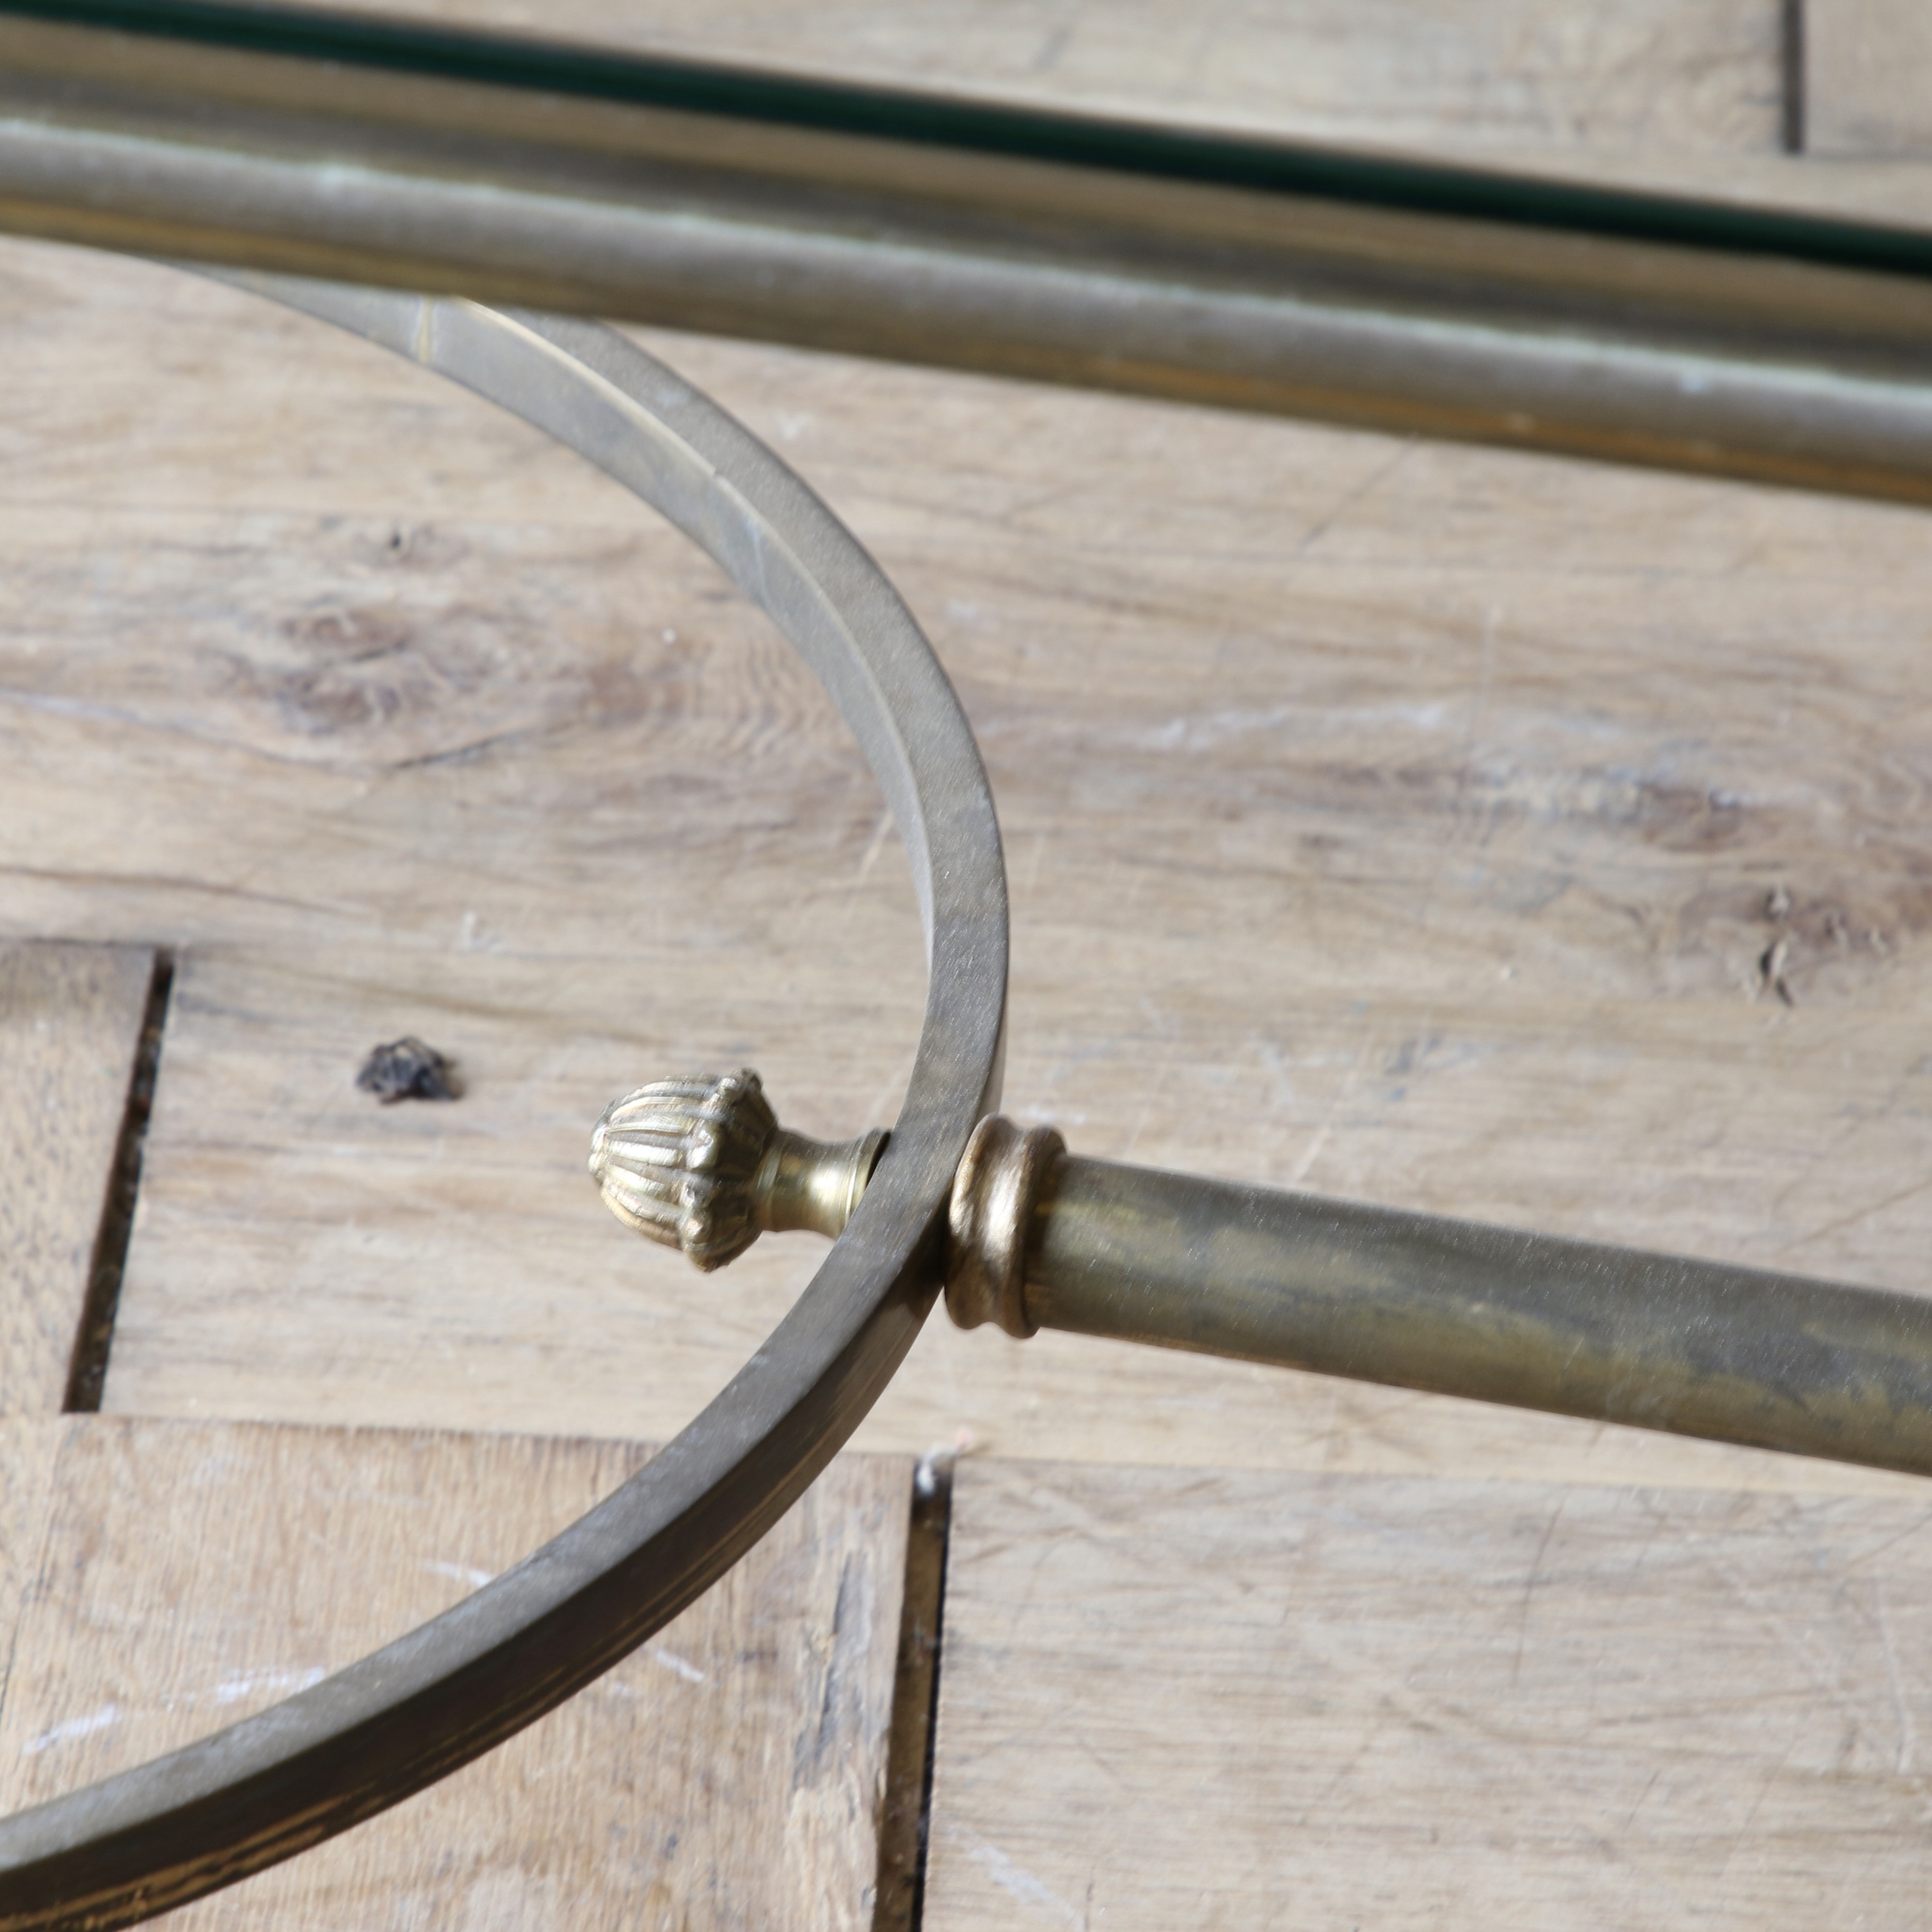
27 1444
303 1252
1174 1698
1696 75
1405 822
1865 67
729 1774
1400 821
70 1022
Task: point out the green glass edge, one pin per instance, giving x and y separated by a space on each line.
1117 145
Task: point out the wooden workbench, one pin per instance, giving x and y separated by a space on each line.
1514 838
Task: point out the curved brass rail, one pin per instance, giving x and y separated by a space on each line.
199 1818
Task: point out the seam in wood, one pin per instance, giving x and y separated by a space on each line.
905 1811
1791 67
87 1370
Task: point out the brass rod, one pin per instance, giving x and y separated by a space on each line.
1695 1347
1037 1238
1262 276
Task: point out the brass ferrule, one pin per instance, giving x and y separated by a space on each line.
1002 1180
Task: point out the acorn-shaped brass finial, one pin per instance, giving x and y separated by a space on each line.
702 1164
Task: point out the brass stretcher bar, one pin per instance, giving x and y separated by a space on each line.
1259 274
1038 1238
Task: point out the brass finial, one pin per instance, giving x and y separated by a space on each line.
702 1164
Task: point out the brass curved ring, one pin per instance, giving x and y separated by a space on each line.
185 1824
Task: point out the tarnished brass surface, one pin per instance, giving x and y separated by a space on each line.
1695 1347
702 1164
1216 267
803 1183
1038 1238
994 1194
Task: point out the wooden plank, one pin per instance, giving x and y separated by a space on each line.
305 1252
28 1443
71 1019
1404 822
1668 74
1397 821
729 1774
1865 67
1176 1698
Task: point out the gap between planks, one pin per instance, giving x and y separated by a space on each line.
94 1333
73 1020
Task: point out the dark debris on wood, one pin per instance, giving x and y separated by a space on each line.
408 1069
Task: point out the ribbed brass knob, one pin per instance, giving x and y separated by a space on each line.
702 1164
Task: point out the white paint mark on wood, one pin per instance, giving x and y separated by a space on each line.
104 1719
461 1572
256 1684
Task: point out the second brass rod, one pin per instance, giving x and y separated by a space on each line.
1417 1301
1783 345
